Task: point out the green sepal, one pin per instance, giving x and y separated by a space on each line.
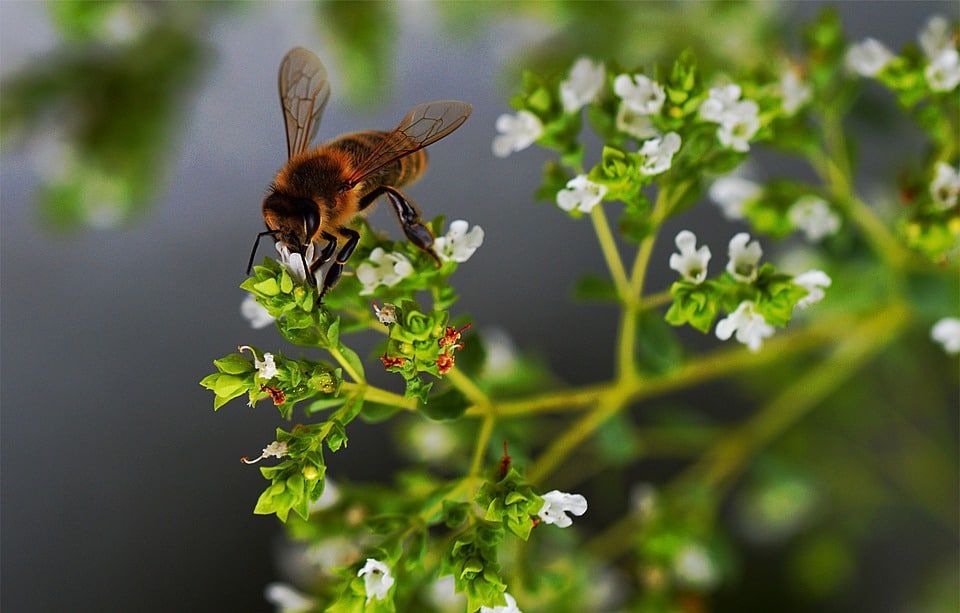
693 304
510 501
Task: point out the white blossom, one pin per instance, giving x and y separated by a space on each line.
383 268
732 193
557 504
794 91
814 217
943 71
517 132
813 281
586 79
935 36
739 126
287 599
947 332
693 566
750 327
275 449
868 57
945 187
581 194
691 262
296 264
328 498
266 368
658 153
635 124
255 313
442 594
377 580
510 607
744 258
640 94
458 244
719 102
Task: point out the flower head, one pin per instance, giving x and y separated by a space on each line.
814 217
286 599
635 124
510 607
744 258
376 579
581 194
275 449
386 315
295 263
732 193
795 92
739 126
813 281
691 262
266 368
458 244
557 504
383 268
586 79
640 94
517 132
868 57
719 102
945 187
658 153
947 332
750 327
943 71
255 313
935 36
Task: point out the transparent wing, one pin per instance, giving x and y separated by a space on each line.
304 92
424 124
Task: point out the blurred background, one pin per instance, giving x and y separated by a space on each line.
138 141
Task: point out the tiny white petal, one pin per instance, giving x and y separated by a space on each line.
732 193
377 580
287 599
658 153
794 91
744 258
947 332
510 607
935 36
813 281
580 194
557 504
266 368
690 262
255 313
586 79
517 132
738 125
945 187
719 102
382 268
943 72
640 94
868 57
750 327
814 217
459 244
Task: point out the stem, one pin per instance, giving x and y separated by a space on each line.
610 253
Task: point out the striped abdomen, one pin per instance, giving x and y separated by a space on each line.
360 145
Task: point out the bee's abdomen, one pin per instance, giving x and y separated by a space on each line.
360 145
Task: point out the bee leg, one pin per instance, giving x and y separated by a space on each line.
326 253
416 232
333 273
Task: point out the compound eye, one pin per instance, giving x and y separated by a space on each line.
311 222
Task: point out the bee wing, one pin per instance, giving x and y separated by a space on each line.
304 92
424 124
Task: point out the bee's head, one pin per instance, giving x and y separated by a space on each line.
295 221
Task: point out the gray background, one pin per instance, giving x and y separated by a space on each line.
121 489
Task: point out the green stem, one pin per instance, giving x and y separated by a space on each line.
608 246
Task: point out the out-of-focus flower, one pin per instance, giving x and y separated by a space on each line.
814 217
732 193
255 313
517 132
658 153
813 281
383 268
750 327
640 94
868 57
377 580
287 599
581 194
945 187
943 71
744 258
794 91
586 79
458 244
510 607
694 567
947 332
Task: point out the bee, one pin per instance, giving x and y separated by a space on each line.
321 190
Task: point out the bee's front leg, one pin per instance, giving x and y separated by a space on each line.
416 232
333 273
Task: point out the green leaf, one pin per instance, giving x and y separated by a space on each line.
448 405
597 288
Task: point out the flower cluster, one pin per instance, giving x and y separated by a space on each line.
737 118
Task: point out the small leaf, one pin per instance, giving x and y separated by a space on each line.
448 405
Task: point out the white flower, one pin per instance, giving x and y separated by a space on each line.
947 333
387 315
376 579
517 132
557 504
814 217
935 36
658 153
694 567
945 187
273 450
719 102
510 607
294 262
580 194
744 258
740 124
431 441
635 124
458 244
751 327
813 281
690 262
383 269
443 595
943 71
732 193
287 599
867 58
795 92
328 498
586 79
267 368
255 313
640 94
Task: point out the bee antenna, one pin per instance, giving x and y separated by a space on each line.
256 244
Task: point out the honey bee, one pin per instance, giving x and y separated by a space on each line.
321 190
